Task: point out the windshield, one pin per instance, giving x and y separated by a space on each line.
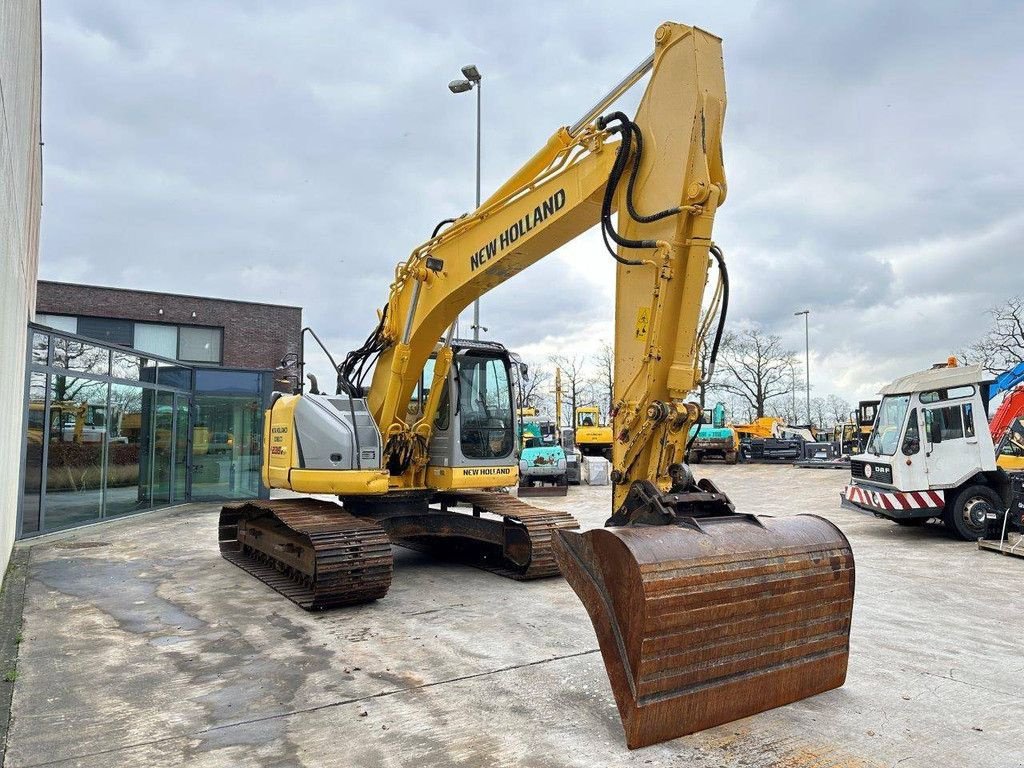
485 407
885 437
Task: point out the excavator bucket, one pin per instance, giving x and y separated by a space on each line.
708 620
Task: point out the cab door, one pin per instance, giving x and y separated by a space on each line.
951 443
910 464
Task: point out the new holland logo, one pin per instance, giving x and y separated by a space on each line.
519 229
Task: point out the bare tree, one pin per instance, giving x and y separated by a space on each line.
1002 347
821 413
604 382
838 408
573 385
755 367
534 389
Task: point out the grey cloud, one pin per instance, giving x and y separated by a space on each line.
295 152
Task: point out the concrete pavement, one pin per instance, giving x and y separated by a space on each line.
141 646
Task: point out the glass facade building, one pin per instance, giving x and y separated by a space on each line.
110 431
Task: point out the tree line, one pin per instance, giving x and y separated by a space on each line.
755 376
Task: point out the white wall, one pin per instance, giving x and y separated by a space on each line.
20 187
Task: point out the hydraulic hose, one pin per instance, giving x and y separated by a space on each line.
440 224
724 273
618 168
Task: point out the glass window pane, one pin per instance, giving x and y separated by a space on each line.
163 446
485 408
106 329
40 348
80 356
66 323
225 382
157 339
199 345
124 444
174 376
226 446
125 366
34 453
180 490
74 464
968 419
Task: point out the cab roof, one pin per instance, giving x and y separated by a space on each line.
936 378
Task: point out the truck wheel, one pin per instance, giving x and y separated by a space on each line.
730 458
965 515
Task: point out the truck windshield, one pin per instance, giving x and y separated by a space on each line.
885 437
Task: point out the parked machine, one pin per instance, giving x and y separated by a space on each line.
1012 405
930 453
542 465
593 435
850 436
769 439
1004 528
703 615
713 438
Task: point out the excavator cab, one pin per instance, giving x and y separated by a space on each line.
473 440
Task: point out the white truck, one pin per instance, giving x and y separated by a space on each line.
930 453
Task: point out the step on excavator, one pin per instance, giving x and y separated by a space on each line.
703 614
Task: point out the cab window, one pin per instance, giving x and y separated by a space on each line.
912 437
944 423
485 408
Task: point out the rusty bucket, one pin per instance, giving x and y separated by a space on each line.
709 620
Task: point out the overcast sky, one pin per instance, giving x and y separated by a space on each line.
295 152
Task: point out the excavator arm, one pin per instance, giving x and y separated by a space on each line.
665 170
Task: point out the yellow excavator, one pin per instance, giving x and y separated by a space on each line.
703 615
593 436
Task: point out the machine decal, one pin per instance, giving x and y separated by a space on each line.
530 221
643 320
477 472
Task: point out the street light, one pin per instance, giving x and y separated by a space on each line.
473 78
807 357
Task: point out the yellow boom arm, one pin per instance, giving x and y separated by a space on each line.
554 197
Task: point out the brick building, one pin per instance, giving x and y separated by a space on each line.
136 400
238 334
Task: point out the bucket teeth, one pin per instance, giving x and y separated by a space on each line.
703 625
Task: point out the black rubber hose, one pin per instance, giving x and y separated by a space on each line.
614 177
440 224
693 437
638 137
720 258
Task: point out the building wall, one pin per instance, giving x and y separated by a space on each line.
20 189
255 335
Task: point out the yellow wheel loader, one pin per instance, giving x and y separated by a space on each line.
703 614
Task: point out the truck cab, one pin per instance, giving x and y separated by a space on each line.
930 453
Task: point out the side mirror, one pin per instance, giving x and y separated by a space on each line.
935 432
524 371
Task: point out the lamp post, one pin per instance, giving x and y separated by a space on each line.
807 357
472 80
